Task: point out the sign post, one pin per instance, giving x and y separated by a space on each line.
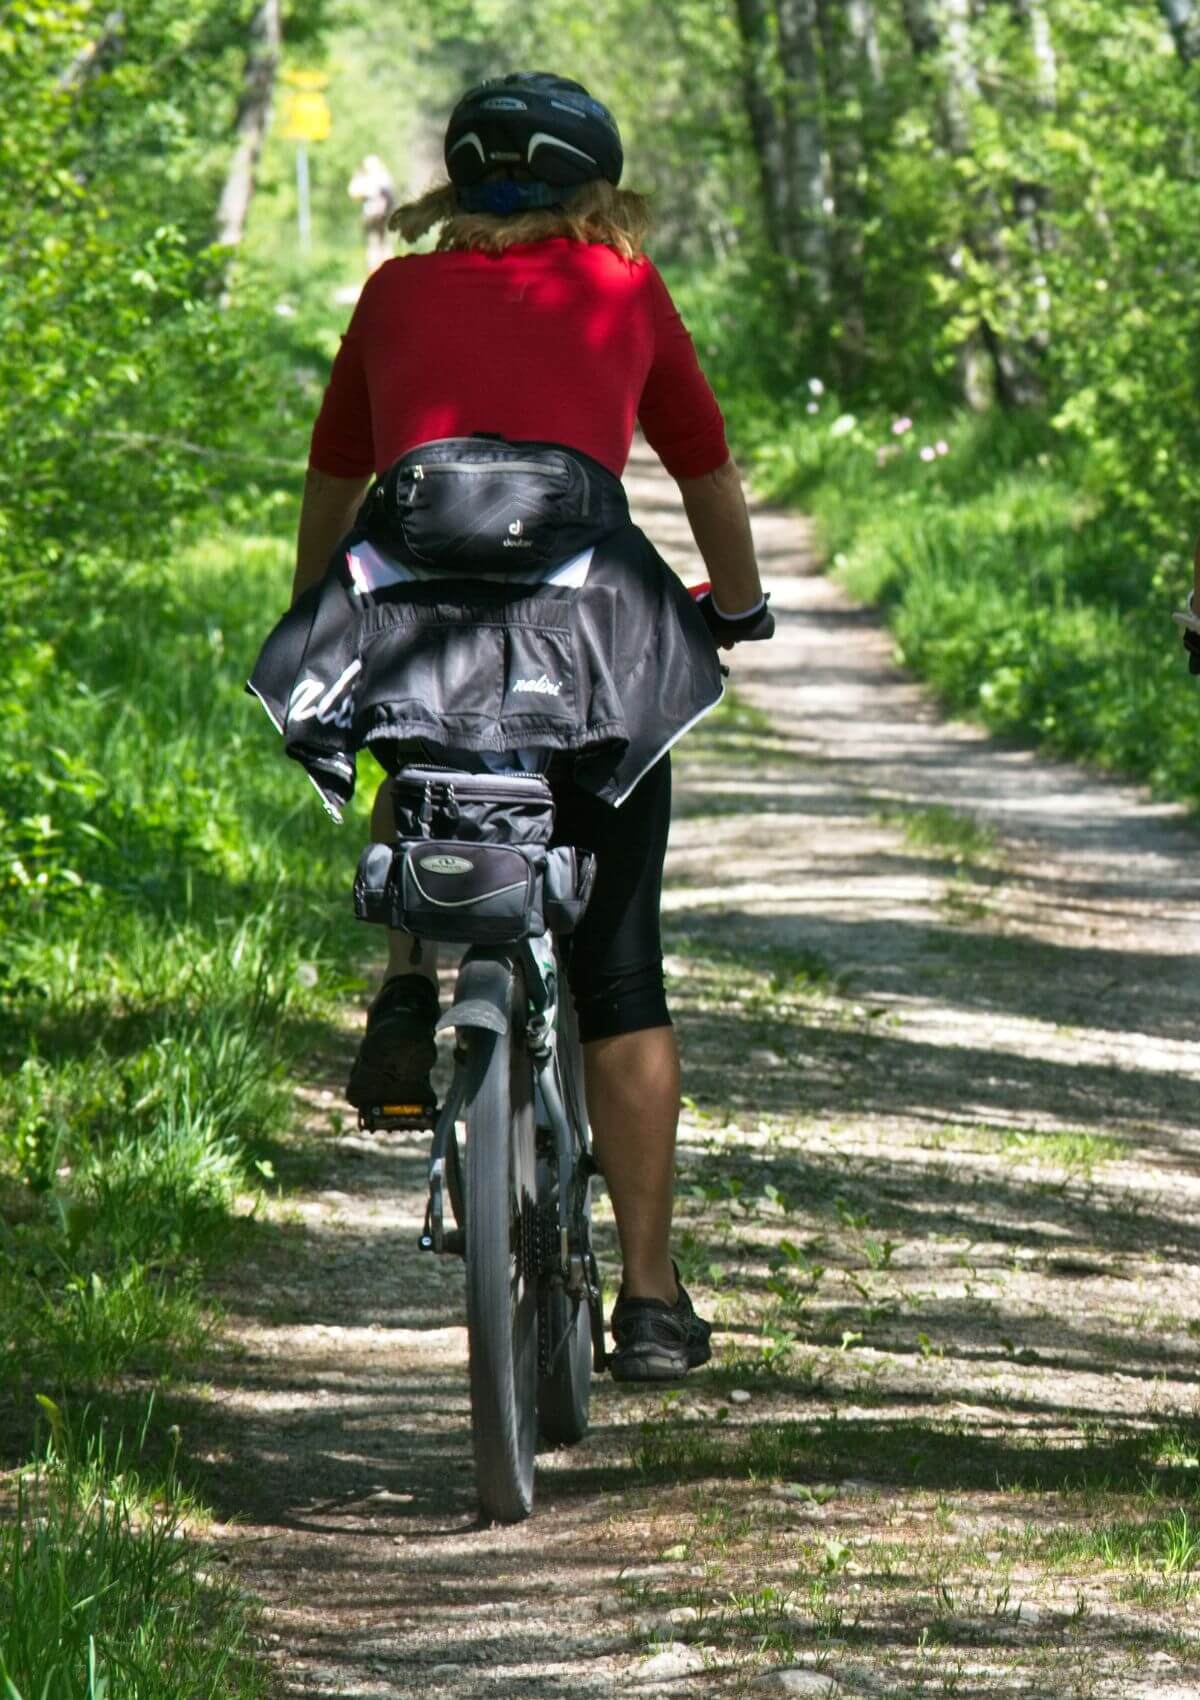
306 118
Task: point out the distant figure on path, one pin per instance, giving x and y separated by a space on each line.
373 185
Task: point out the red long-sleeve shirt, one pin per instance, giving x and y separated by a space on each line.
557 341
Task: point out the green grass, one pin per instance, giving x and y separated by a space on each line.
102 1592
1159 1556
1069 1148
156 1000
959 837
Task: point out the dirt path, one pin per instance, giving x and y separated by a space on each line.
938 1183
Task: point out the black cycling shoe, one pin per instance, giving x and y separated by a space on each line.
398 1050
655 1341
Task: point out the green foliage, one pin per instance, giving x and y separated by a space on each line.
151 1004
102 1595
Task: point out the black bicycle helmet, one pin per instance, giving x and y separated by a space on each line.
536 122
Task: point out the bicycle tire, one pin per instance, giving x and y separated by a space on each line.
501 1291
564 1392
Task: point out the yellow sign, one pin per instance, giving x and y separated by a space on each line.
305 116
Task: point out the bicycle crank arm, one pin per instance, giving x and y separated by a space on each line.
435 1236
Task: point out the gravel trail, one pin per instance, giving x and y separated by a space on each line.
937 1000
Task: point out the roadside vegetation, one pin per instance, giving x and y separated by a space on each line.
171 902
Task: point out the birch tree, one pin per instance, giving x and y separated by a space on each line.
250 126
853 82
1036 19
766 130
807 231
940 34
1182 18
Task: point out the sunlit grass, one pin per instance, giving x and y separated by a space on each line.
103 1590
959 837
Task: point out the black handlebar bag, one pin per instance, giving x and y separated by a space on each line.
484 505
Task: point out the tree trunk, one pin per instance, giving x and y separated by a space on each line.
921 23
942 27
850 57
765 128
1183 20
962 80
861 30
253 116
1031 199
1033 14
807 236
97 56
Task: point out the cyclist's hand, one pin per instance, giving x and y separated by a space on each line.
754 625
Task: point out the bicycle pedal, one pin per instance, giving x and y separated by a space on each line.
454 1243
398 1118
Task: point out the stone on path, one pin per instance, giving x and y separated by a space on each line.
798 1680
675 1659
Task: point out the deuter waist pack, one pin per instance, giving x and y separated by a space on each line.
473 893
484 505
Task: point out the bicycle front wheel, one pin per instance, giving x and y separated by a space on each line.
501 1266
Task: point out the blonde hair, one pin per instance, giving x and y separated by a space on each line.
592 212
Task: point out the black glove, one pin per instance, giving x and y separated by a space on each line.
1191 642
752 627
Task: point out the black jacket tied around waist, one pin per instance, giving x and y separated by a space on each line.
596 651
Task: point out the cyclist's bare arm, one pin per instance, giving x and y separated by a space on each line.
716 511
326 514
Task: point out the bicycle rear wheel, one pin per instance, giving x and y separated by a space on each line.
565 1383
501 1265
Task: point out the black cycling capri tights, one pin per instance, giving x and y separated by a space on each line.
615 964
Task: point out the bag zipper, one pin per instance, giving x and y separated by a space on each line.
420 471
524 787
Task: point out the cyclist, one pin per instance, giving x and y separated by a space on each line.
538 317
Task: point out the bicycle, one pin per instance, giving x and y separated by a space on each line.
521 1200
